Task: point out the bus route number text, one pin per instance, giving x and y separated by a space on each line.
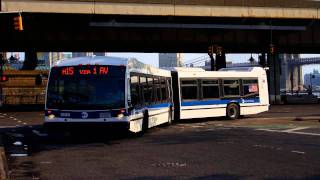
69 71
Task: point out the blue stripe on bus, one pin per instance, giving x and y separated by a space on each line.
162 105
219 102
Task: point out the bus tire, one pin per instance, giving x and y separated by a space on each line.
233 111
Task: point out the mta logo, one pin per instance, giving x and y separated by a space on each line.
84 115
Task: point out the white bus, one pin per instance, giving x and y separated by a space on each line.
230 92
108 90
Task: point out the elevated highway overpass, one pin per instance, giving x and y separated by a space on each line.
162 25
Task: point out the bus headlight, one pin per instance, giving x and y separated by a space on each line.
120 115
51 116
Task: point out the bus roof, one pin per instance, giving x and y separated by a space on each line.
244 69
133 64
186 69
93 60
225 72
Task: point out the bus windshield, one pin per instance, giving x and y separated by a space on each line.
85 87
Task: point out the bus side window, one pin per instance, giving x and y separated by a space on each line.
144 89
231 88
210 89
163 89
150 91
189 89
250 88
157 88
135 90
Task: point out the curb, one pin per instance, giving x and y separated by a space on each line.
3 162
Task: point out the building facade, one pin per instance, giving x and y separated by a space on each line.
170 60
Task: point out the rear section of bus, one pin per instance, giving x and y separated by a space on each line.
86 94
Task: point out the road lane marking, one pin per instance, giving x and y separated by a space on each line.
39 133
305 133
295 129
7 127
19 155
298 152
291 131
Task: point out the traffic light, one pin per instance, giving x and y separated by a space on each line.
18 24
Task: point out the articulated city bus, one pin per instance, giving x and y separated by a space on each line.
108 90
118 91
230 92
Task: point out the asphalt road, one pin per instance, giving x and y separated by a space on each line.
193 150
250 148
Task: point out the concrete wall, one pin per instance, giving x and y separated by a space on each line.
21 88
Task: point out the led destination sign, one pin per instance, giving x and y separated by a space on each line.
85 70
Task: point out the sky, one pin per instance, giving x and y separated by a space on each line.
153 58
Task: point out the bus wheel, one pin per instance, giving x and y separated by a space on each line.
233 111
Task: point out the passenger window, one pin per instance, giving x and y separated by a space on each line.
164 90
144 87
157 89
210 89
135 90
231 88
189 89
149 98
250 88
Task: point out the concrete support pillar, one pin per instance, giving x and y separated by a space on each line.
221 61
300 83
274 78
30 61
293 79
296 78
